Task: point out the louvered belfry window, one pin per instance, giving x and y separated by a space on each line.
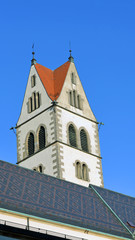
42 138
31 146
84 143
72 136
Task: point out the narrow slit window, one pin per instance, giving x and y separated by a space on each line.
33 101
33 81
78 101
74 97
37 100
40 169
78 170
73 78
30 105
70 98
84 172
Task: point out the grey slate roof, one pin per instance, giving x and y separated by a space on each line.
40 195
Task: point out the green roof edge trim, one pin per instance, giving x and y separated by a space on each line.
122 223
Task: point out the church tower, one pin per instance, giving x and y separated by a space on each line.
57 132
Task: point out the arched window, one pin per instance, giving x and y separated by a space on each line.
31 147
84 143
72 136
84 172
78 170
42 138
40 168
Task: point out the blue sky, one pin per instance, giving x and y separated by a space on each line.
102 35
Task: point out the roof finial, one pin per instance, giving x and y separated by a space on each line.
33 61
71 59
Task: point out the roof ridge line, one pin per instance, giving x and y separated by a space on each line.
112 211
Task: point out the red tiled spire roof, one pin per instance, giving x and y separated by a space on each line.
53 80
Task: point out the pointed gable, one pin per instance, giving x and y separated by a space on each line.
59 77
53 80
